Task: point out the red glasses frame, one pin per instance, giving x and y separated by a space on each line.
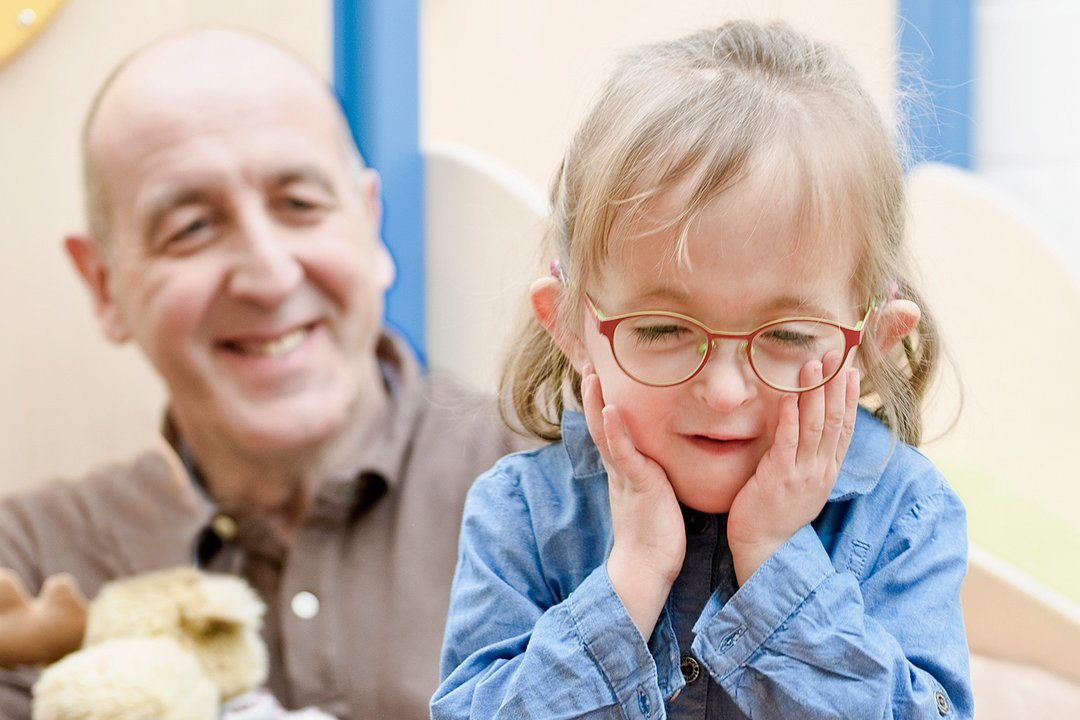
605 325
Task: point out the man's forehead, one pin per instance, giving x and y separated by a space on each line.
222 76
206 128
206 55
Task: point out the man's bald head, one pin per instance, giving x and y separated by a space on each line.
196 71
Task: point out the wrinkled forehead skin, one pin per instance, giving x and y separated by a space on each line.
200 81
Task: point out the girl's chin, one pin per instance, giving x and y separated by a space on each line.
711 492
706 502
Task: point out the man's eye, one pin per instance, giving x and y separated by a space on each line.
193 227
296 203
189 233
300 205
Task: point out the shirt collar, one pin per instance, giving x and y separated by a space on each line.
378 463
871 448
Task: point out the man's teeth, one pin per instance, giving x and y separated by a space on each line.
278 346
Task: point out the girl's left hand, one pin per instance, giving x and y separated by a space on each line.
795 476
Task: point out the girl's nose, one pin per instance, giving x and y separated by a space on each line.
727 380
266 269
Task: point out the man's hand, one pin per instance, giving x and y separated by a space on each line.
649 536
796 475
39 630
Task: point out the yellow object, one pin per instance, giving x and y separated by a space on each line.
21 21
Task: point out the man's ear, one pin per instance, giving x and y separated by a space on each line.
544 294
895 320
371 202
371 196
88 256
385 268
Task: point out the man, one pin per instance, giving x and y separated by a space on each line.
234 238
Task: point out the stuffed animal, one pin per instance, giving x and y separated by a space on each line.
178 644
42 629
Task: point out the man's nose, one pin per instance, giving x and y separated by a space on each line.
266 269
727 380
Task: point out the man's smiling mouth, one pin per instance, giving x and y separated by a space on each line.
274 347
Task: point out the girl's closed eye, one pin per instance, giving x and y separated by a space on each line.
660 333
796 335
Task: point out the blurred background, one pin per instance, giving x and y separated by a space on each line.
464 106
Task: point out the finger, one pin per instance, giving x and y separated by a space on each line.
623 455
62 590
13 593
786 439
851 411
592 397
811 412
610 434
836 408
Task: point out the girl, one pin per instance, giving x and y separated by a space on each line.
723 532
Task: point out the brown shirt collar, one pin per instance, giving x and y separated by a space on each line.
378 465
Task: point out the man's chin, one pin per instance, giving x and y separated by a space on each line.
276 428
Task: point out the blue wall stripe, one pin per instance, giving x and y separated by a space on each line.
377 79
936 44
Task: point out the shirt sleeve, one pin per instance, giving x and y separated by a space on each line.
15 693
801 639
17 553
520 643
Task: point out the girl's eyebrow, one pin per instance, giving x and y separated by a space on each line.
790 304
656 298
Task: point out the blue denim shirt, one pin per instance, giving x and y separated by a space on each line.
857 616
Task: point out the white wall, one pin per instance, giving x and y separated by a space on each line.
1027 111
512 78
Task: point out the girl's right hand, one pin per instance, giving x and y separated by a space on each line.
649 542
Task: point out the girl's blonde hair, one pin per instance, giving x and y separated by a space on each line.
699 112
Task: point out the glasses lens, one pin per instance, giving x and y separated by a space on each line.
659 350
781 350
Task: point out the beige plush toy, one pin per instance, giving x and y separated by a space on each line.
42 629
171 645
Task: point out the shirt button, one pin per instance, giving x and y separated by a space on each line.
942 703
347 494
690 667
305 605
224 526
696 523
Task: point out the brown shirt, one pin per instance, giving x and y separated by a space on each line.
355 604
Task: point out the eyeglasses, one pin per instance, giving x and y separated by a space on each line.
662 349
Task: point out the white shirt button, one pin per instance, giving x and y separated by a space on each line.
305 605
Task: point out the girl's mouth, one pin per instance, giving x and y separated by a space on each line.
719 445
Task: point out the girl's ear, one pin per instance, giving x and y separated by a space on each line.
544 294
89 259
895 320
